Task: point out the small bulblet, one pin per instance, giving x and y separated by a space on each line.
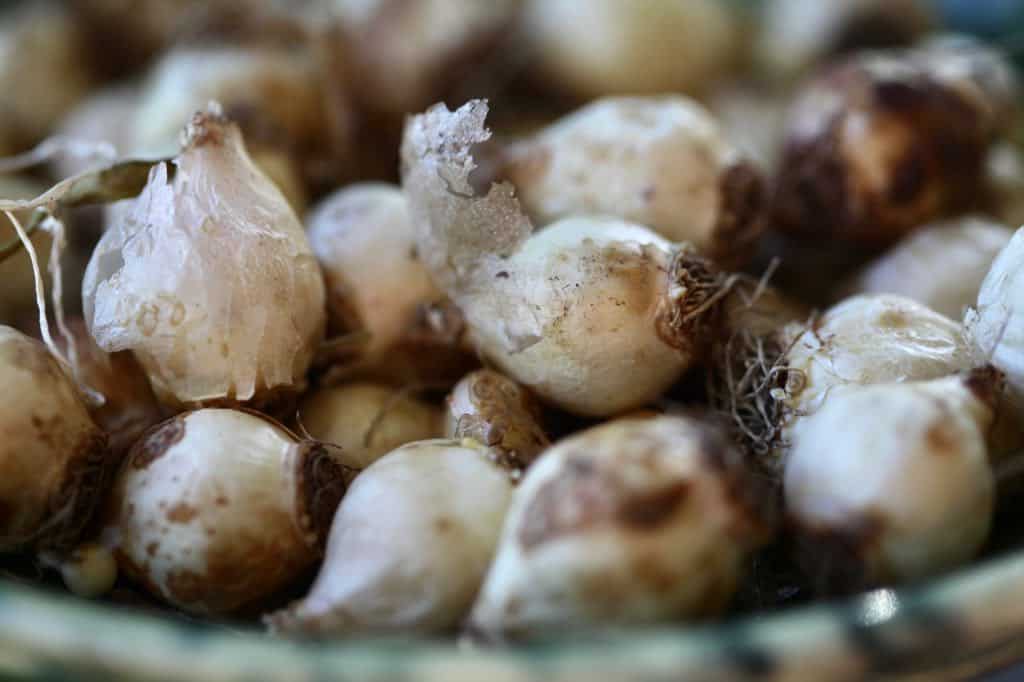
367 421
499 413
209 278
54 461
216 510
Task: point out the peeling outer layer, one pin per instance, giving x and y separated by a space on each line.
889 140
634 521
589 314
216 510
209 279
891 483
500 414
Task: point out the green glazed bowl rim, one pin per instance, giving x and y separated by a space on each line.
950 628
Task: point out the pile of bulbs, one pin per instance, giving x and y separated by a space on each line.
577 372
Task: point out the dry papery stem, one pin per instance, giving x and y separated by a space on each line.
467 236
121 180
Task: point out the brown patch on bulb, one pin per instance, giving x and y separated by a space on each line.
653 509
987 384
585 495
836 559
181 513
505 418
754 498
156 442
941 439
741 213
901 147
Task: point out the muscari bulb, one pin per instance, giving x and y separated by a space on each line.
660 161
886 141
499 413
43 59
272 93
209 278
795 34
367 420
409 545
607 47
104 117
54 460
634 521
592 314
863 340
216 510
364 239
406 55
917 267
891 483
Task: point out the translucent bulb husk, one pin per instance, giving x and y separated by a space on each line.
209 279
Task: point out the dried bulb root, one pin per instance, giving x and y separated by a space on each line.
409 544
498 413
768 382
216 510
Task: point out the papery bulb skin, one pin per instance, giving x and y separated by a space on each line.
209 278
